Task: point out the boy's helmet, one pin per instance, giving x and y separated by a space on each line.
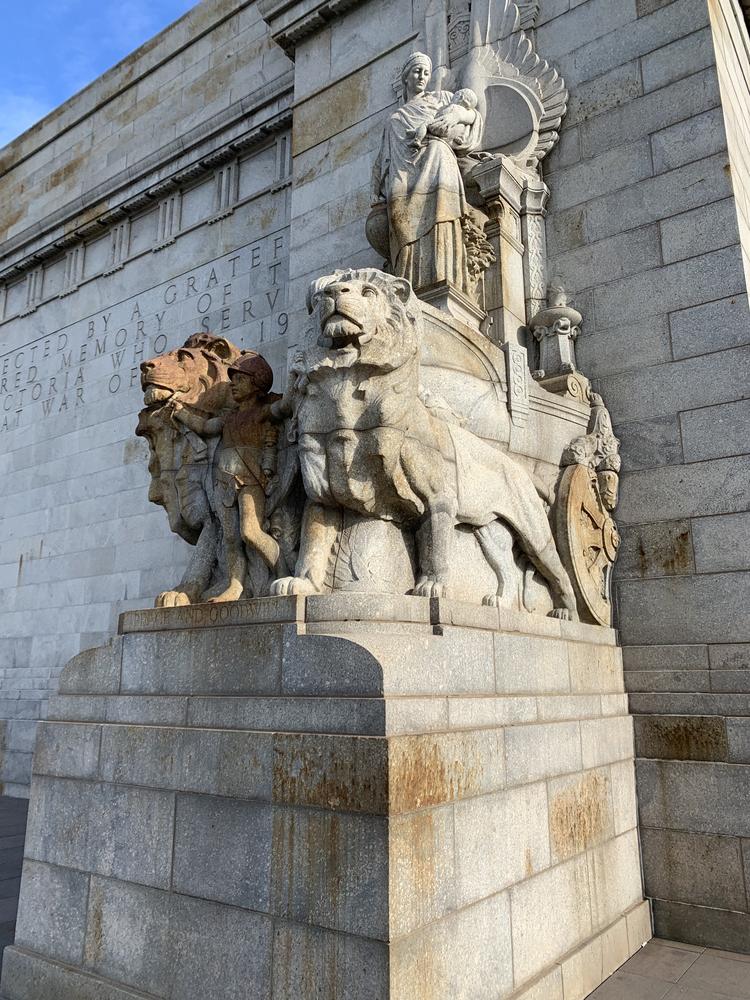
253 364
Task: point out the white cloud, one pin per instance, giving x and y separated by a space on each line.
135 21
95 42
96 36
18 112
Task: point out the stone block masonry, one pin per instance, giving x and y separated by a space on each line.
360 796
123 208
151 206
646 230
647 225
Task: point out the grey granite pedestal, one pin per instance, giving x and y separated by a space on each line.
338 797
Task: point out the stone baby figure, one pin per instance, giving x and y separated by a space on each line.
449 123
245 462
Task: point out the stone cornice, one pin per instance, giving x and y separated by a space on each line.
292 20
245 124
128 73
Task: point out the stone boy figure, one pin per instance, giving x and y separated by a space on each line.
245 463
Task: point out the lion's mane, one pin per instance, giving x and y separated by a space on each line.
197 375
396 324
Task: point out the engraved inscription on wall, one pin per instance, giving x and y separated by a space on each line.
97 358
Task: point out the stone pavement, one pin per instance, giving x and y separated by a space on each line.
12 832
666 970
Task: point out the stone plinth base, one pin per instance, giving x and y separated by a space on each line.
338 797
454 302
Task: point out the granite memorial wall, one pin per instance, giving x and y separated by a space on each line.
204 182
152 206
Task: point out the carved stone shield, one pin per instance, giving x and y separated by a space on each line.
588 540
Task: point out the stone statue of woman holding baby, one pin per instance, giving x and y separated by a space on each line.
417 176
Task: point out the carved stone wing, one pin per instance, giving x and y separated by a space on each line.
521 97
502 56
529 11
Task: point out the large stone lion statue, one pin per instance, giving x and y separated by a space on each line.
370 443
179 460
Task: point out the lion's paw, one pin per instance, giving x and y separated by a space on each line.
491 600
564 614
429 588
289 585
232 593
172 599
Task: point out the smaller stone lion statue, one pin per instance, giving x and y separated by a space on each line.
370 443
197 375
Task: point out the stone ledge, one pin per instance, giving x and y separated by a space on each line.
244 123
584 969
343 607
148 677
382 774
31 976
292 20
705 926
398 715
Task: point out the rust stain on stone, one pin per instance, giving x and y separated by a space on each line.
332 872
672 558
375 775
416 853
426 773
88 215
63 173
351 147
132 451
95 942
267 218
528 863
330 112
11 218
681 738
579 815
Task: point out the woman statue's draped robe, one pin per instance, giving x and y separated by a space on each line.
425 194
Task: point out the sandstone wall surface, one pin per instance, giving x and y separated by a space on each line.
646 225
648 217
152 205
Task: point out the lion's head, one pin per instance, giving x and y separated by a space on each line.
364 317
190 372
198 375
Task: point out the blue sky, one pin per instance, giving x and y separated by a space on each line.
50 49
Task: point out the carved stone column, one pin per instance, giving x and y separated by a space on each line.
501 184
533 213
